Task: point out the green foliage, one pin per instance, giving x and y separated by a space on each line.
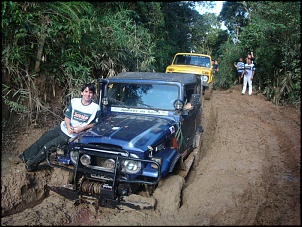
227 75
272 31
274 35
7 99
68 43
233 14
47 45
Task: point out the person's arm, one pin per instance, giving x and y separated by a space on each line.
79 129
68 125
253 72
252 75
76 129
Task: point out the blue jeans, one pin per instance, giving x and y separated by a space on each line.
36 153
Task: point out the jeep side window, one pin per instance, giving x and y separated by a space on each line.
188 94
180 60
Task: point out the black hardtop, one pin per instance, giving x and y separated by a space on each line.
183 78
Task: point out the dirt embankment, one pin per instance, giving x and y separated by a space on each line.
248 174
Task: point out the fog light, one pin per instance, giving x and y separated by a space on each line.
109 164
85 159
178 105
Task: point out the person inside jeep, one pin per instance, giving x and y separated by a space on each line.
188 106
81 114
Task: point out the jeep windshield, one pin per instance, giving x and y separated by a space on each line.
143 96
201 61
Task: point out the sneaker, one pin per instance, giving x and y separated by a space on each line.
242 93
22 158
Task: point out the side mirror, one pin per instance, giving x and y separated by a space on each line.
195 99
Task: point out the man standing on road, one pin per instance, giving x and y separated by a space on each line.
81 114
248 73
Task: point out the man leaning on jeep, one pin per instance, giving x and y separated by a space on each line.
81 114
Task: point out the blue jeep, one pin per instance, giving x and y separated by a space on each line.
144 134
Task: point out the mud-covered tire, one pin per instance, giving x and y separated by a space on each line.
168 194
207 95
208 92
198 138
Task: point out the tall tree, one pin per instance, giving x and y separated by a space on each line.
235 17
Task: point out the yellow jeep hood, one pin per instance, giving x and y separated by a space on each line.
188 69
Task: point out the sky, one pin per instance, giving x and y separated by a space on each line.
215 10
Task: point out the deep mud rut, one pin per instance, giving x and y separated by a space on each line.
248 173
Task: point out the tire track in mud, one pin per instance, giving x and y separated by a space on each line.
283 138
246 149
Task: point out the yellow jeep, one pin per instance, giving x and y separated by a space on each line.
193 63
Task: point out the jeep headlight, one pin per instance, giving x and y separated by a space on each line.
131 166
74 157
205 78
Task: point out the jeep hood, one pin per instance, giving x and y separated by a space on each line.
130 132
187 69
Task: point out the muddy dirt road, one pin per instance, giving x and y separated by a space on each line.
248 174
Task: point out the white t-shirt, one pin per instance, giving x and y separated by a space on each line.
80 115
249 69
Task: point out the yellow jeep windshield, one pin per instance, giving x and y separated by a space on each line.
202 61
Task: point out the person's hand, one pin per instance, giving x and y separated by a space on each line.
70 130
77 129
188 106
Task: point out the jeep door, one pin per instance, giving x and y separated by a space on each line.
189 123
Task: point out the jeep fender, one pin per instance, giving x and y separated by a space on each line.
169 158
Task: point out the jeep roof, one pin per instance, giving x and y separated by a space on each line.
183 78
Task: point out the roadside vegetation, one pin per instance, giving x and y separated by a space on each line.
50 48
